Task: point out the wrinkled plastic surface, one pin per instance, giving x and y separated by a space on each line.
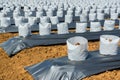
16 44
77 48
64 69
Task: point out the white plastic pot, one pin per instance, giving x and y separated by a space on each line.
24 30
81 27
68 18
5 21
109 24
62 28
54 20
77 48
45 29
95 26
109 44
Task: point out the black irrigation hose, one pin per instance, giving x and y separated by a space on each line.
16 44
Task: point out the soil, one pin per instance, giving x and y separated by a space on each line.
13 68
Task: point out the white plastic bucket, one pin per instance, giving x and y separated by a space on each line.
77 48
45 29
109 44
81 27
62 28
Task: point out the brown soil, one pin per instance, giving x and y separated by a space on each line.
13 68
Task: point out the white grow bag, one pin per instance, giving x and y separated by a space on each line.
54 20
77 48
83 18
68 18
92 16
32 20
45 29
100 16
109 24
95 26
60 13
24 30
109 44
114 16
5 22
44 19
19 21
62 28
81 27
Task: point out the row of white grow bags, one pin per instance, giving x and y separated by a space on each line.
53 12
77 47
7 21
62 28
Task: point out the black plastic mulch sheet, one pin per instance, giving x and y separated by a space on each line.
64 69
16 44
72 25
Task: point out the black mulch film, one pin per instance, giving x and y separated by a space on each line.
64 69
16 44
